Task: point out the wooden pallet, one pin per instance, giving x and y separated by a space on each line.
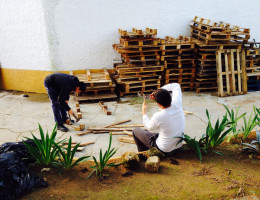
149 32
140 90
211 26
122 79
135 49
168 64
233 71
130 69
139 42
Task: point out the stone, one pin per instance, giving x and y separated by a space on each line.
155 152
152 164
130 159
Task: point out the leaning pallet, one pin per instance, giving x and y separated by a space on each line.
206 69
178 55
231 72
99 85
139 70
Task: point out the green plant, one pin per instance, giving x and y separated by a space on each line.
192 144
233 117
254 146
66 155
43 150
249 125
257 112
103 160
215 135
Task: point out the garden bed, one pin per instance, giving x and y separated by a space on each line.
181 176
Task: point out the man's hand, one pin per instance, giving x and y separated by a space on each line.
71 112
144 108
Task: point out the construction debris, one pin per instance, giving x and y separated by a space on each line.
104 107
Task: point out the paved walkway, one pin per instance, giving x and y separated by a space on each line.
20 116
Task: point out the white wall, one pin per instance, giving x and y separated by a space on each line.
78 34
23 43
87 29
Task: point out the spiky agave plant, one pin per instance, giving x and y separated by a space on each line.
233 117
43 150
254 146
66 155
216 135
103 160
249 125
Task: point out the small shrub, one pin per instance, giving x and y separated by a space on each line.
192 144
249 125
43 151
233 117
66 155
103 159
216 135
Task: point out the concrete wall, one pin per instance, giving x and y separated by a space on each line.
38 37
23 41
86 30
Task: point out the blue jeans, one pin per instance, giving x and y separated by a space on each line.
60 114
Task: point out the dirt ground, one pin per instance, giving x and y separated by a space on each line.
182 176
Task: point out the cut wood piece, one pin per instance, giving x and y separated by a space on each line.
84 133
128 126
80 144
121 122
79 115
109 129
122 133
81 127
126 139
78 110
97 132
77 104
188 113
101 103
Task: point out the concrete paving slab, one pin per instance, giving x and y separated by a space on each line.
20 116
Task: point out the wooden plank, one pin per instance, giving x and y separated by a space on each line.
117 123
104 108
232 72
84 133
219 72
126 139
227 75
109 129
88 75
244 75
238 72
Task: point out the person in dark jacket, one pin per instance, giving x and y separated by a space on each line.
58 87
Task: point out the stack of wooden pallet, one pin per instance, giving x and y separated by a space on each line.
139 70
99 85
211 37
253 65
178 55
209 31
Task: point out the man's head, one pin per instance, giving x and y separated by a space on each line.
81 87
162 97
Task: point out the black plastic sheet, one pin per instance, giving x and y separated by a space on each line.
15 179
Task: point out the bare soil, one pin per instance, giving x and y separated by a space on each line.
181 176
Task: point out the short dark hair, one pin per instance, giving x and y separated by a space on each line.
162 97
82 86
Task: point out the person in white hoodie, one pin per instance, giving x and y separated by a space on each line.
170 121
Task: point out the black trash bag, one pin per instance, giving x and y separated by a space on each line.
20 149
15 179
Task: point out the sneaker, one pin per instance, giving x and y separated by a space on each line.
62 128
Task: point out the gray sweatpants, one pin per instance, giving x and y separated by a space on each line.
144 139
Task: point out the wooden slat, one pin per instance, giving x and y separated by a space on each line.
239 72
227 75
232 72
244 77
219 71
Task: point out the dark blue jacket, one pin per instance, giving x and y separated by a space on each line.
63 84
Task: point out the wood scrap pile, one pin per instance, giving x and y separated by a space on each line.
178 55
139 70
115 129
99 85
